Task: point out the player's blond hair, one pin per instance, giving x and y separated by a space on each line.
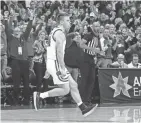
61 16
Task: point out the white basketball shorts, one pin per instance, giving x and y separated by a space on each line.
53 69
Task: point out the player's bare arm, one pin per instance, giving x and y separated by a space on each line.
60 38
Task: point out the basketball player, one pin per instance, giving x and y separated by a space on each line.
56 68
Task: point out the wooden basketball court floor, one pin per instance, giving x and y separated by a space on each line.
111 113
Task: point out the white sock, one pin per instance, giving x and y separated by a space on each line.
79 103
44 95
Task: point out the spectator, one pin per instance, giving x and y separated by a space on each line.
122 26
123 11
33 5
118 22
82 13
3 47
32 37
138 30
139 11
120 62
6 75
133 20
106 46
135 62
134 49
20 65
119 46
101 29
103 19
3 51
93 18
112 29
38 58
110 12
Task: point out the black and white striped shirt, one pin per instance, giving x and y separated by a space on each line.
92 44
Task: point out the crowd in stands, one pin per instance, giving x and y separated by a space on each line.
114 27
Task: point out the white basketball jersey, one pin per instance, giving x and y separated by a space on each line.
51 49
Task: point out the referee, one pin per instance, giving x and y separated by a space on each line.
87 68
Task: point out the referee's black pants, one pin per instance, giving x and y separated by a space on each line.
20 72
87 70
